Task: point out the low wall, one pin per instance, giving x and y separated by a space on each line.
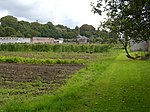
141 46
6 40
43 40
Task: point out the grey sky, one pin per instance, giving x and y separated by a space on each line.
66 12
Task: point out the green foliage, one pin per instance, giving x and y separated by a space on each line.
40 61
35 29
69 35
87 30
19 34
126 19
2 31
10 26
10 32
9 21
55 47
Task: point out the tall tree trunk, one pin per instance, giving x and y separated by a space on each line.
128 55
125 44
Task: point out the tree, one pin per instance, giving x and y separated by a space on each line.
77 30
33 33
9 21
2 31
24 28
35 26
127 19
19 34
9 31
69 35
87 30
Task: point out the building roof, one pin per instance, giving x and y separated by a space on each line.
81 37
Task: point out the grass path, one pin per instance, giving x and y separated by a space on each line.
108 85
124 87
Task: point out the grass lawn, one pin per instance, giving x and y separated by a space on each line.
109 84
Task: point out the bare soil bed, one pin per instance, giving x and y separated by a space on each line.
40 78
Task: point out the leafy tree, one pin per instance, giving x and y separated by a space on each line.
33 33
87 30
60 30
2 31
35 26
77 30
29 35
103 34
10 26
24 27
61 26
69 35
127 19
9 31
9 21
50 24
19 34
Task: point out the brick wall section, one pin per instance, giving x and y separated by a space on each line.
43 40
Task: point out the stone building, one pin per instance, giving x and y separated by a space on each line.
82 39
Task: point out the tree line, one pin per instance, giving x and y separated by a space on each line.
11 27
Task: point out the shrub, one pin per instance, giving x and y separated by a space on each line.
55 47
39 61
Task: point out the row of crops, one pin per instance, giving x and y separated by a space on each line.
40 61
55 47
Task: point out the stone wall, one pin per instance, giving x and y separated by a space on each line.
149 46
141 46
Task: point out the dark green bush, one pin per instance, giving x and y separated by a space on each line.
55 47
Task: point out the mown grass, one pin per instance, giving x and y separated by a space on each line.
112 83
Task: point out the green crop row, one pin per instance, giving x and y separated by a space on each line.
40 61
55 47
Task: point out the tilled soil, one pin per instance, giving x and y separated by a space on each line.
29 73
12 74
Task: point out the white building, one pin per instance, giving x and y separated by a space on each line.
82 39
60 40
14 40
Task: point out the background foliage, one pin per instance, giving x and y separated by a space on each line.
11 27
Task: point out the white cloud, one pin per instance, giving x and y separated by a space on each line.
65 12
3 13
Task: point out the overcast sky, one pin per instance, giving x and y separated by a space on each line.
70 13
